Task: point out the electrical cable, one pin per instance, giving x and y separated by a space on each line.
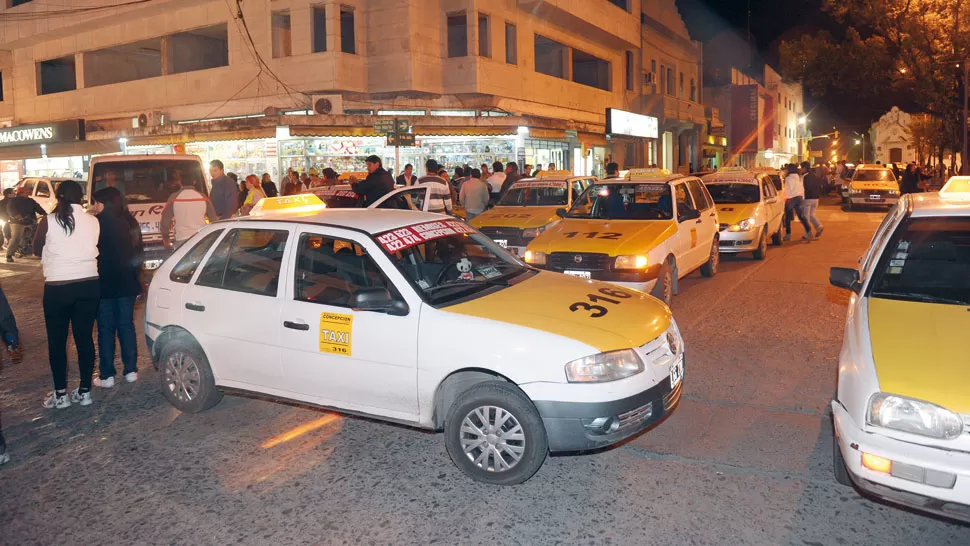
37 15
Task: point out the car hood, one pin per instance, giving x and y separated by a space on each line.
734 213
921 351
613 237
517 217
544 302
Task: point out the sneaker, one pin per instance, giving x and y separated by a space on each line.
131 377
9 259
105 383
4 458
55 401
807 238
820 230
788 236
81 398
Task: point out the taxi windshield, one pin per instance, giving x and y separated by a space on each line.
633 201
735 193
874 175
927 260
449 261
537 195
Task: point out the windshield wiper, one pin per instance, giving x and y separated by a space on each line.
920 297
466 283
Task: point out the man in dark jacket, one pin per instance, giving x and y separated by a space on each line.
814 184
378 183
225 192
408 178
22 212
511 176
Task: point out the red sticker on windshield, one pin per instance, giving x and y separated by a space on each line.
406 237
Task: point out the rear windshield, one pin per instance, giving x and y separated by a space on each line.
149 181
927 260
82 183
729 194
867 175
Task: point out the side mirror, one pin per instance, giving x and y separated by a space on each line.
379 300
843 277
689 214
561 213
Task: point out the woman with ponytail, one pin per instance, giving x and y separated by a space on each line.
67 242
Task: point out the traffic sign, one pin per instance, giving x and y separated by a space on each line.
384 126
400 139
402 126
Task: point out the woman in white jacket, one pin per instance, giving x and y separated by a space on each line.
67 242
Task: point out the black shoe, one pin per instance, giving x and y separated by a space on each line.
9 259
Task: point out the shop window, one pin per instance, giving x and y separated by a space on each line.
590 70
484 38
56 76
511 44
629 70
282 34
123 63
319 29
457 35
199 49
551 57
348 38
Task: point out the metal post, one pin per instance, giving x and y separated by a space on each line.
963 130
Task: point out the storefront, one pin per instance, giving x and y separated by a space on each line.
56 149
714 151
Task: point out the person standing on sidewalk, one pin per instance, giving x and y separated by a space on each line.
474 195
225 193
11 336
67 243
119 267
815 185
255 193
188 209
794 203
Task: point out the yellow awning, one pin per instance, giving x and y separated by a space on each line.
464 131
208 136
539 132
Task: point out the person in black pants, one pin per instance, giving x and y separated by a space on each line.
11 336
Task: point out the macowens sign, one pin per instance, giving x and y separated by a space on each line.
61 131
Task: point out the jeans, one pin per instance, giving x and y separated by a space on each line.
16 238
8 323
795 206
116 317
73 305
810 206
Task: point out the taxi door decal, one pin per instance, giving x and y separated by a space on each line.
693 237
335 333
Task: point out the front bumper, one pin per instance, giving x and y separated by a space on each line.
583 426
732 242
913 466
864 199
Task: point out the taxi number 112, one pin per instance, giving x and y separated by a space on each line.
606 295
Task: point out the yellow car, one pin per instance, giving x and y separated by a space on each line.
872 186
529 208
645 231
749 209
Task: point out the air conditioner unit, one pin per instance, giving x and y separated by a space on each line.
650 77
148 119
330 105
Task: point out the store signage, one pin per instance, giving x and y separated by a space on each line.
400 139
47 133
621 122
384 126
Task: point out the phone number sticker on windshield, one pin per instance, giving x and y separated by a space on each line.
545 184
406 237
336 331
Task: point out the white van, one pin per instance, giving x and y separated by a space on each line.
147 181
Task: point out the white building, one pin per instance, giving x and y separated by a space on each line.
891 139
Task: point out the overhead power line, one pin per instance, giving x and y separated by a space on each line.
46 14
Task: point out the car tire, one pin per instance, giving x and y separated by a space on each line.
762 251
479 407
709 269
848 205
664 289
776 236
841 471
187 380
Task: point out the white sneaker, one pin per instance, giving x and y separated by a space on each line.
83 399
4 458
57 402
105 383
131 377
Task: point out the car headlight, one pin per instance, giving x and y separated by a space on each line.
893 192
532 233
630 261
913 416
535 258
744 225
675 343
604 367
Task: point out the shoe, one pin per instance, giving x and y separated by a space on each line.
81 398
788 237
16 353
55 401
807 238
819 233
9 259
105 383
4 458
131 377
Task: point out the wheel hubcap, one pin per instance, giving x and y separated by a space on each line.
492 438
182 377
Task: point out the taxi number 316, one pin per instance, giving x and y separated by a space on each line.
606 295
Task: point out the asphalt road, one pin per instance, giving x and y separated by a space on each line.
745 459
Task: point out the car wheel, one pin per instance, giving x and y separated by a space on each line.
762 250
841 472
664 289
848 204
709 269
187 380
776 236
494 434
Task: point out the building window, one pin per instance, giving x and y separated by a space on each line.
457 35
1 86
15 3
282 34
484 38
123 63
693 90
622 4
670 82
663 79
590 70
56 76
511 44
629 70
551 57
348 38
198 49
319 29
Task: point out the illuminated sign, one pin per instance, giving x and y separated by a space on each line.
621 122
61 131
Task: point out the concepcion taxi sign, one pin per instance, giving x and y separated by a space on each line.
647 173
957 184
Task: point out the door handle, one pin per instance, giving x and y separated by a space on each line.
195 307
302 326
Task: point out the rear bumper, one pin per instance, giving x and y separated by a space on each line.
155 254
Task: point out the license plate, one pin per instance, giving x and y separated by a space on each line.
580 274
875 198
676 373
504 243
151 227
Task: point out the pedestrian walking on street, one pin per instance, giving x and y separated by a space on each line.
474 195
22 212
269 187
11 337
795 192
8 194
224 194
815 185
612 170
377 184
120 255
243 190
67 242
910 181
255 190
188 209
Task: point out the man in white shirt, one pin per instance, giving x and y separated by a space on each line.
795 203
188 209
495 181
474 195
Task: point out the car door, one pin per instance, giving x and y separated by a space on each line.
43 195
774 207
233 306
687 233
707 229
333 354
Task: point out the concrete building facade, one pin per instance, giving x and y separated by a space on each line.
891 138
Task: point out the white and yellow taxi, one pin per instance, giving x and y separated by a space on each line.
529 207
957 184
872 186
645 231
414 318
749 209
902 408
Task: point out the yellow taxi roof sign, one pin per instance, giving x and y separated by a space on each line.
360 175
732 169
554 174
647 173
957 184
304 202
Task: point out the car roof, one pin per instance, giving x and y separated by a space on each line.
873 167
367 220
936 204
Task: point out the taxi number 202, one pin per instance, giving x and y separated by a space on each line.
610 296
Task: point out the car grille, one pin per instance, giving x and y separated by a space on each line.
635 416
742 242
512 235
584 261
